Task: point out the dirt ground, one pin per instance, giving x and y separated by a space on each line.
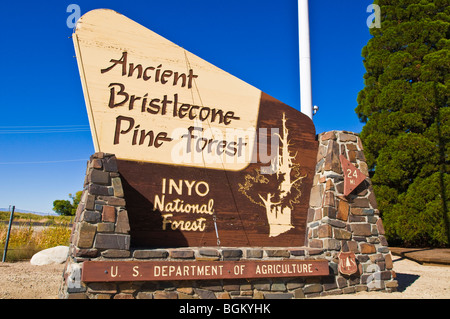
415 281
22 280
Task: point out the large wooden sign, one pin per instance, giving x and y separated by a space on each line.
104 271
204 157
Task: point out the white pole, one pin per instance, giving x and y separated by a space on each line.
305 59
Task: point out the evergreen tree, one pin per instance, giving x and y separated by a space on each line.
404 106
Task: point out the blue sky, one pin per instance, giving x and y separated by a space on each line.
44 135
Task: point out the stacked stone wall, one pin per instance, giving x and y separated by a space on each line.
348 223
266 288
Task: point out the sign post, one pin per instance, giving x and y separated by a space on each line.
11 217
305 59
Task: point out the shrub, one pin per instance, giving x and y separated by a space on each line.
24 242
52 236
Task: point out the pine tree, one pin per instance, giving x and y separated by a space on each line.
404 106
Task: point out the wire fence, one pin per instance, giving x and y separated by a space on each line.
27 238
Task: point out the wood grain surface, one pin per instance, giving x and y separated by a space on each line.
239 221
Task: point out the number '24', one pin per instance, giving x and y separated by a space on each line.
350 175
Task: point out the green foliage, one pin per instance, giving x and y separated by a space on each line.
404 106
63 207
417 217
66 208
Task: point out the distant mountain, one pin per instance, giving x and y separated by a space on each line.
18 210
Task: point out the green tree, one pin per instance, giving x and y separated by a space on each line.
75 201
404 106
65 207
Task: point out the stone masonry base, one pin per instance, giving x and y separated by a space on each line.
336 223
268 288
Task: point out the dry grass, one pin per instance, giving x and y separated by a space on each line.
24 241
29 217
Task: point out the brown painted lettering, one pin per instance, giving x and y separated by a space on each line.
118 130
122 61
112 95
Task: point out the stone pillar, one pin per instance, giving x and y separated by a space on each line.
348 223
101 227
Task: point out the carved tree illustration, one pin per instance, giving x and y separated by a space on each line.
279 191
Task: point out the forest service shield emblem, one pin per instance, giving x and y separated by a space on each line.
347 263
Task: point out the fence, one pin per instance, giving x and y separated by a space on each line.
20 240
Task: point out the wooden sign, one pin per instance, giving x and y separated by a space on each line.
352 175
107 271
347 263
204 158
150 100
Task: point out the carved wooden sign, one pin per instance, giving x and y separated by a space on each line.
204 157
104 271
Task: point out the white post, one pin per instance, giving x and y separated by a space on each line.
305 59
